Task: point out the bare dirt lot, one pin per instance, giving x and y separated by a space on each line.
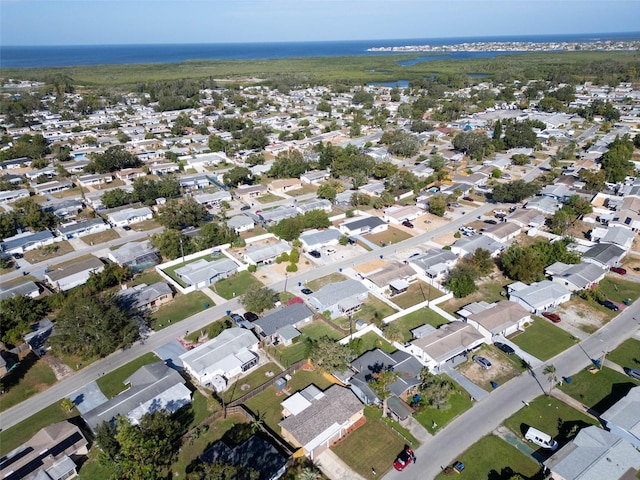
581 316
500 368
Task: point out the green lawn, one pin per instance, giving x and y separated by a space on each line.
417 292
459 403
627 354
100 237
487 291
253 380
543 339
416 319
618 290
30 377
268 198
372 311
601 390
299 350
267 403
493 458
236 285
181 307
550 415
318 283
390 236
149 277
13 437
369 341
48 252
361 453
112 384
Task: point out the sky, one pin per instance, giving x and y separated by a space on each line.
96 22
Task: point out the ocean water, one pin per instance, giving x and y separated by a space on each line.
71 55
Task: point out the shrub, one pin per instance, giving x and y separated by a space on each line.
252 268
292 267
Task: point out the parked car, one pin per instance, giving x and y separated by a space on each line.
469 199
491 221
610 305
237 319
307 291
554 317
483 362
17 256
405 458
633 373
407 224
126 227
618 270
315 254
505 348
250 316
245 207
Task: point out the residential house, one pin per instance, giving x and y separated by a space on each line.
130 174
195 182
23 242
55 186
373 189
558 192
363 226
203 273
468 245
136 255
315 177
617 235
596 454
314 204
314 239
373 362
145 297
475 179
501 318
8 196
215 198
539 296
66 208
129 216
314 420
256 453
392 279
343 199
63 279
93 180
28 289
575 277
214 363
152 387
502 232
264 254
398 214
623 417
15 163
51 454
449 343
247 192
433 264
545 205
604 254
527 218
284 185
163 168
339 299
275 215
282 325
80 229
241 223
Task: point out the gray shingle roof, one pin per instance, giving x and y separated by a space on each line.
277 319
334 293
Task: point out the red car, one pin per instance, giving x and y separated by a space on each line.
469 199
618 270
404 459
554 317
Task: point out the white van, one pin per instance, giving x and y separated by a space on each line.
540 438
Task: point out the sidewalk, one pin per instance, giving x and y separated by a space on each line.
217 299
569 400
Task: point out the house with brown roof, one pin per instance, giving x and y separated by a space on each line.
314 420
499 318
284 185
50 454
502 232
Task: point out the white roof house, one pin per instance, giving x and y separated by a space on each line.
313 239
500 318
203 273
575 277
340 298
231 353
623 418
241 223
594 454
540 296
128 216
258 254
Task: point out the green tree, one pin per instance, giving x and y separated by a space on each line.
116 197
237 175
523 264
67 404
178 215
329 355
617 160
172 243
437 205
482 260
105 437
382 380
436 389
115 158
327 191
92 325
16 315
30 214
552 378
213 234
288 165
473 143
216 144
519 134
461 280
258 299
515 191
520 159
384 169
112 275
401 182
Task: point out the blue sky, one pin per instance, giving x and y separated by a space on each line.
77 22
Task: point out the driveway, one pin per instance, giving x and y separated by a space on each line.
476 392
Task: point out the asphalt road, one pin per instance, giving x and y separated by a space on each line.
444 448
88 374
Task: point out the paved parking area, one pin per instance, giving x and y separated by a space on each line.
88 397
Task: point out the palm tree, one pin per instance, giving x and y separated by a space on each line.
550 372
309 473
258 423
